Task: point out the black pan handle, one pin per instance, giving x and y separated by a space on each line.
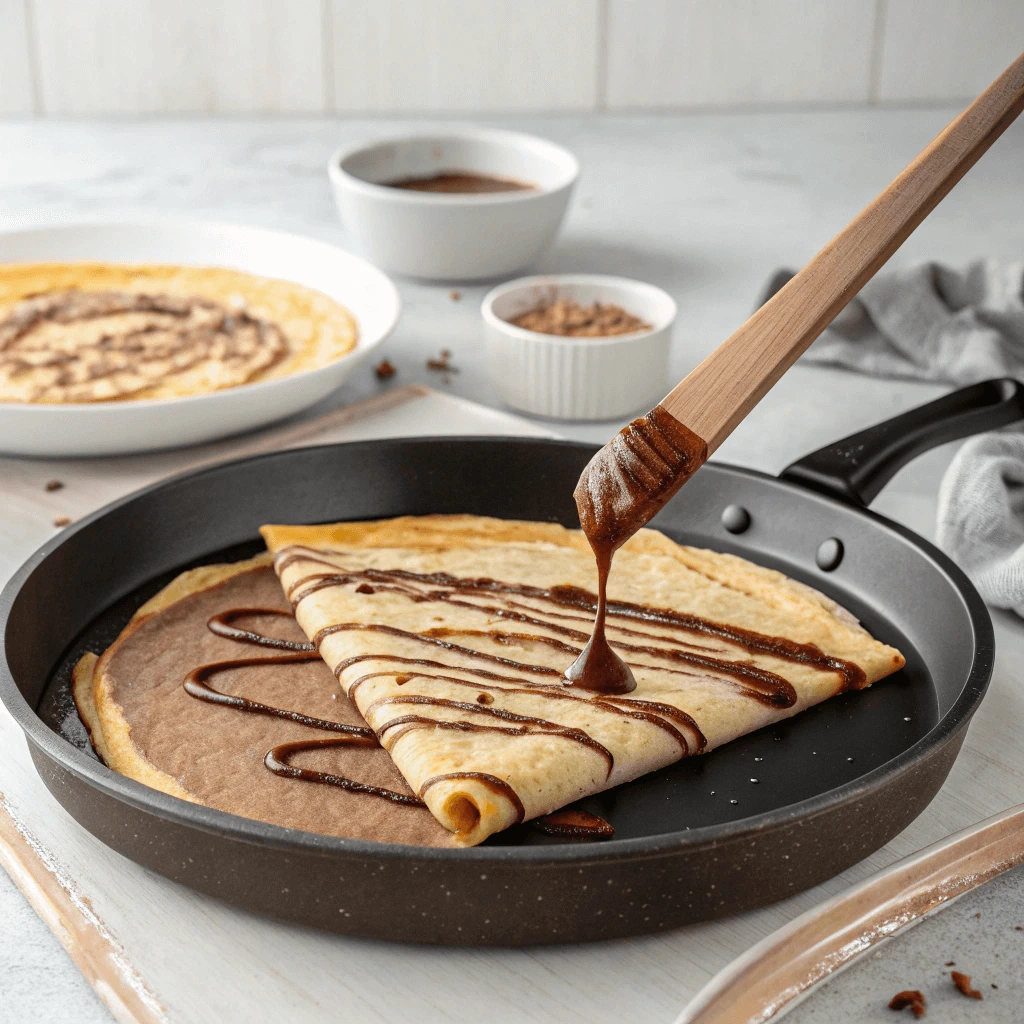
856 468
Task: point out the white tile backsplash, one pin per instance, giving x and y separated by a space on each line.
947 49
691 53
82 57
167 56
16 93
464 55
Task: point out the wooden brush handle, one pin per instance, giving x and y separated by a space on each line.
720 392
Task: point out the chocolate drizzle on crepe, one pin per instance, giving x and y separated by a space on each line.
278 761
526 617
146 340
554 617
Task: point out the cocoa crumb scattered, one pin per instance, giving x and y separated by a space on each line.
571 320
978 914
994 985
963 985
455 295
54 485
951 963
484 698
385 369
442 364
1018 928
909 998
62 520
365 588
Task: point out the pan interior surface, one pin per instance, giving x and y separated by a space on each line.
823 748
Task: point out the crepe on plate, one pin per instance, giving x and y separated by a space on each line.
98 332
146 725
451 633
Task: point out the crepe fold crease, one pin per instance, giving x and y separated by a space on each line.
451 635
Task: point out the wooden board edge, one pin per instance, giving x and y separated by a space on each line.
781 970
68 913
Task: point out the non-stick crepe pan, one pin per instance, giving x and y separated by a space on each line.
697 840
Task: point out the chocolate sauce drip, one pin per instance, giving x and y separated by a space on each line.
621 489
574 824
598 668
494 784
277 761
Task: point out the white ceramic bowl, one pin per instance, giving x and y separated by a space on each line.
453 237
578 378
108 428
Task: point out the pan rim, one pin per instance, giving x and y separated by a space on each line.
263 834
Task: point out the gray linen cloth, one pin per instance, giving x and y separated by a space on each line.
929 322
981 515
933 323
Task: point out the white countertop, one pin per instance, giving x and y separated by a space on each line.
706 206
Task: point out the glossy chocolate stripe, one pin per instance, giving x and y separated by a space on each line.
277 761
546 726
657 709
196 685
379 627
767 687
560 692
478 673
221 625
578 598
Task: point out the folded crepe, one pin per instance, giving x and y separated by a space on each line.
254 689
451 634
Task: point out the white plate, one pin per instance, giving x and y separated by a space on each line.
109 428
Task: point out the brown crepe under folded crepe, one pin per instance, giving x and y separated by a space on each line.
451 635
146 725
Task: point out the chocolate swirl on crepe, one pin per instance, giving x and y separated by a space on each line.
451 635
128 343
96 332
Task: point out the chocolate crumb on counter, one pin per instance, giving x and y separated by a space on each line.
994 985
963 985
385 369
455 295
62 520
1018 928
911 999
54 485
442 364
951 963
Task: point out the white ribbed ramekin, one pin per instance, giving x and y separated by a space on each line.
578 378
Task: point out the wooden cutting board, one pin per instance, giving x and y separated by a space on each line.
157 952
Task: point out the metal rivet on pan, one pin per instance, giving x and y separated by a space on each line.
829 554
735 518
